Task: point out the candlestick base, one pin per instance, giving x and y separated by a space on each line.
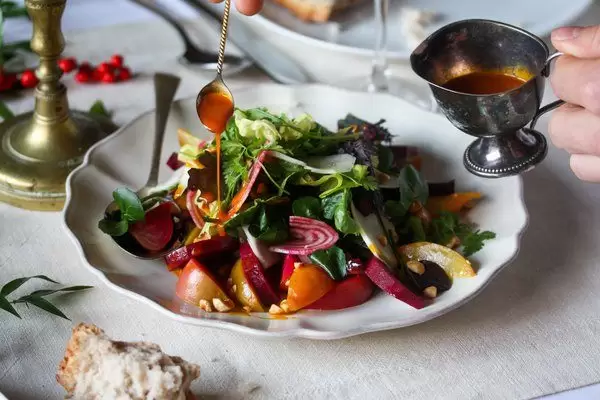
36 158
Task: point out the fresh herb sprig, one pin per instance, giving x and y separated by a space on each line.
98 108
37 298
131 210
448 225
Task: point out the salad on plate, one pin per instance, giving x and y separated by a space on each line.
309 218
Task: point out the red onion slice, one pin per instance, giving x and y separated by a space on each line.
190 203
309 235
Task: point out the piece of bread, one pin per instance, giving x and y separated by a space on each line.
97 368
316 10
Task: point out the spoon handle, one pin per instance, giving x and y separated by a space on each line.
223 40
165 86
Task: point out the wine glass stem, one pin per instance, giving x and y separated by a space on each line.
379 68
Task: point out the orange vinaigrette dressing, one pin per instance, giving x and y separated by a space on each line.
214 110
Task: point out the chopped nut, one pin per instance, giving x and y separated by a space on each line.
247 309
430 291
205 305
233 288
416 266
297 264
275 309
284 306
222 306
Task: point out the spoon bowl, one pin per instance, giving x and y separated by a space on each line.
165 87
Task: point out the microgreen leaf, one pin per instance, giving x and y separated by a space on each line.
17 283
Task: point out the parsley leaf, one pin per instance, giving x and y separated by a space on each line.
448 225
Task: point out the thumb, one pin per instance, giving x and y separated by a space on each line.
581 42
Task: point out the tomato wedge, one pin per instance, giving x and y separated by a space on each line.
156 230
350 292
200 250
196 283
307 284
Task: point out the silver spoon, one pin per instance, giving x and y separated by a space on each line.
165 86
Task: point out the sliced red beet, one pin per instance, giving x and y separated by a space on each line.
255 273
201 250
156 230
288 268
238 201
381 276
309 235
350 292
174 163
190 204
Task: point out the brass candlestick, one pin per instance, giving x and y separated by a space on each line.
40 148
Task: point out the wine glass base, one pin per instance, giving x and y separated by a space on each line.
406 89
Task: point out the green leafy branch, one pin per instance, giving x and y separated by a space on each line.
36 298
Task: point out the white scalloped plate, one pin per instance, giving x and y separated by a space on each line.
123 160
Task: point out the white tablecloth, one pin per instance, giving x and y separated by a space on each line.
534 331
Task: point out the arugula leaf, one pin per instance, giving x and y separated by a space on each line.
447 225
98 108
309 207
332 260
129 204
337 208
17 283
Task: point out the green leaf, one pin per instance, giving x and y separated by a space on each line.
270 224
474 241
417 230
6 306
129 204
5 112
412 187
47 292
114 228
386 160
98 108
333 183
336 208
448 225
332 260
17 283
309 207
45 305
12 47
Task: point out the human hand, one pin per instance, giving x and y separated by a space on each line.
575 126
246 7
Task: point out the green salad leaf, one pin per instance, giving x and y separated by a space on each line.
270 224
131 210
448 225
308 206
333 183
332 260
336 207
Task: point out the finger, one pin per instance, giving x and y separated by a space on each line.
575 130
586 167
582 42
577 81
249 7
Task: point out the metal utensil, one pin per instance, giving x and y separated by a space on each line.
165 86
192 56
504 146
271 60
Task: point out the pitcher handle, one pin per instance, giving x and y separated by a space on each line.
554 104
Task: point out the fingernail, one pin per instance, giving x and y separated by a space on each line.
566 33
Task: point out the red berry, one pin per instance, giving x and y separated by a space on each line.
67 64
83 76
7 81
104 67
96 75
108 77
116 60
28 79
124 74
85 66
